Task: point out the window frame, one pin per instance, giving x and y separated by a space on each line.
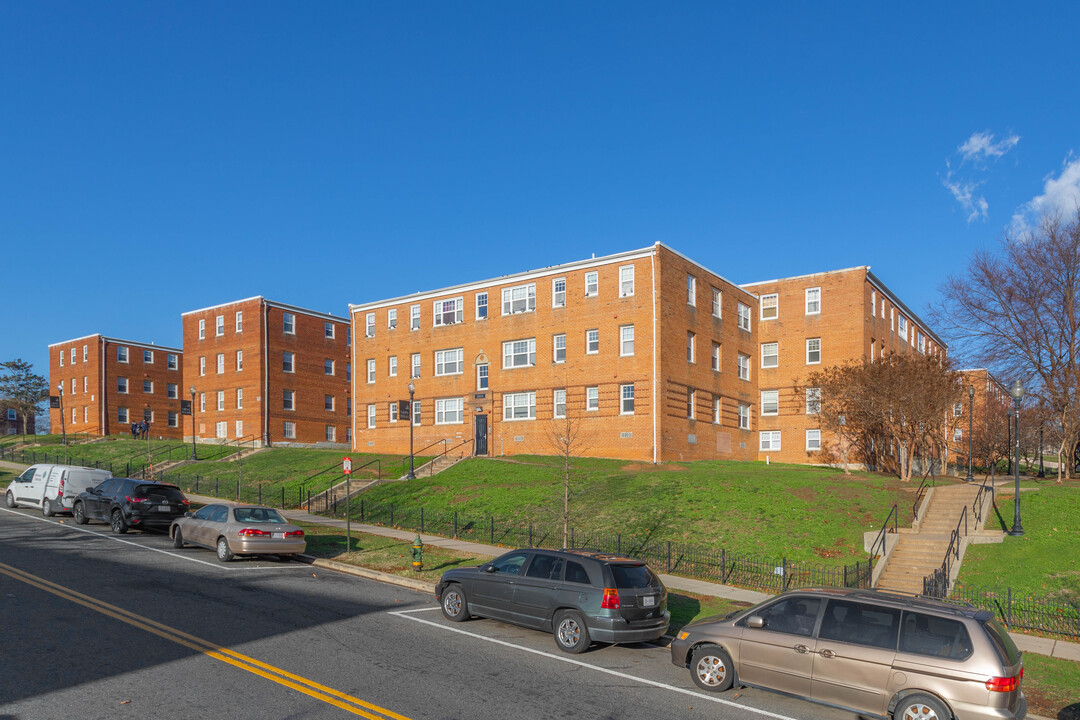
510 354
414 317
288 361
810 352
745 316
371 416
592 398
391 319
810 433
809 300
717 303
592 279
288 400
555 404
449 357
454 307
623 398
691 290
555 339
770 301
371 367
744 416
771 435
509 301
483 377
744 367
623 281
813 401
481 307
458 412
510 404
776 346
556 292
623 340
288 323
770 398
589 341
219 325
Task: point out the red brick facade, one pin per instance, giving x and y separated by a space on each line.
267 372
109 384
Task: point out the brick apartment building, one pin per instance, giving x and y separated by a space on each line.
985 414
269 373
809 322
11 423
106 384
647 353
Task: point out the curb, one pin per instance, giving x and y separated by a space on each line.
421 585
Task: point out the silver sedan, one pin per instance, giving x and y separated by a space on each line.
238 530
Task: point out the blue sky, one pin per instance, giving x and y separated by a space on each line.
161 157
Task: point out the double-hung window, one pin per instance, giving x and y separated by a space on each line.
481 306
369 325
813 351
744 317
370 370
147 356
171 391
202 328
202 366
448 312
287 362
558 343
626 399
449 362
121 353
393 407
220 363
770 402
744 416
744 366
415 370
626 281
716 409
519 406
328 330
519 353
716 357
239 321
519 299
239 400
691 290
147 386
288 400
626 340
392 363
592 398
691 344
592 284
558 292
813 401
239 360
391 319
769 441
414 317
121 384
220 400
691 398
901 327
717 298
770 306
592 342
288 429
328 367
288 323
813 301
482 376
371 416
328 403
559 404
219 326
813 440
171 362
770 355
449 411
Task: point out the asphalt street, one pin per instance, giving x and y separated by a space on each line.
104 626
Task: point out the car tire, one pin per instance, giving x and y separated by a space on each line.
455 605
79 514
571 634
712 670
10 499
47 508
224 554
921 707
117 523
178 539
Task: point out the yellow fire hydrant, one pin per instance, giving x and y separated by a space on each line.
417 554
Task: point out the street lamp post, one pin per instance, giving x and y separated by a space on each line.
971 430
1017 393
63 428
193 456
412 409
1042 470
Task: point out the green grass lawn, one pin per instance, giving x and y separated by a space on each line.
807 514
116 450
1051 686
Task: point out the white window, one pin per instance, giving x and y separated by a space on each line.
592 284
882 308
813 351
813 401
770 355
369 325
519 406
873 302
328 403
716 357
370 371
414 317
958 409
691 290
558 292
416 413
171 361
289 429
901 326
958 434
592 342
744 317
172 420
813 440
626 340
769 441
328 367
449 362
72 356
147 356
121 353
770 402
219 326
691 342
892 319
744 416
450 411
691 400
239 399
331 433
288 400
393 408
84 354
559 404
558 343
73 385
122 415
84 383
744 366
481 306
519 353
716 410
482 376
717 302
221 429
391 319
220 363
448 312
328 330
371 416
592 398
626 399
61 358
239 428
813 301
74 416
202 402
220 400
288 323
415 372
239 321
287 363
922 343
202 328
770 306
519 299
121 384
171 391
626 281
393 365
12 415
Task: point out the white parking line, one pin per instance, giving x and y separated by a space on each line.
216 566
405 614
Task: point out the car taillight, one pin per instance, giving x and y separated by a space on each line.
251 532
295 533
611 599
1005 684
60 492
186 501
136 499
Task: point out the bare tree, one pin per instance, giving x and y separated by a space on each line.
1018 311
22 389
566 438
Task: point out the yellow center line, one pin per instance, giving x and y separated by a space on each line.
328 695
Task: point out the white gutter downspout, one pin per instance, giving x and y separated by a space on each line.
263 310
655 453
101 386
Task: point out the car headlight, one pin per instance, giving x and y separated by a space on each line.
683 635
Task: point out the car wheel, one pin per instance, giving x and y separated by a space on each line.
47 508
117 523
920 707
79 514
224 554
10 499
455 606
711 668
571 635
178 539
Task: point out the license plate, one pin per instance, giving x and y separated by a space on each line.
648 601
278 536
164 508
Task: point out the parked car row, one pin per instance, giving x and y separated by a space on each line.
127 503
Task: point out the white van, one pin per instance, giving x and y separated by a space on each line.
53 488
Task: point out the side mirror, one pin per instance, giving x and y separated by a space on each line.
189 514
755 621
488 568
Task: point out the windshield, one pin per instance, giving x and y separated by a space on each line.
258 515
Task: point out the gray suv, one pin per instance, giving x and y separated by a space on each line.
579 595
872 652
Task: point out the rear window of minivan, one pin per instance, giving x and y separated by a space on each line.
1006 649
628 577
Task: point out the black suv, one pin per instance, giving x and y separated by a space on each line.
580 595
127 503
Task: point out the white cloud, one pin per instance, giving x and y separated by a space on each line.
1060 196
981 145
964 192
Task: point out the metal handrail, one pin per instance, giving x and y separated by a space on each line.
444 453
894 514
405 460
976 505
939 579
922 489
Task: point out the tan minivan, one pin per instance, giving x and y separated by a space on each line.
871 652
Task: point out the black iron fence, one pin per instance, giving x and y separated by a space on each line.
34 457
1058 615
